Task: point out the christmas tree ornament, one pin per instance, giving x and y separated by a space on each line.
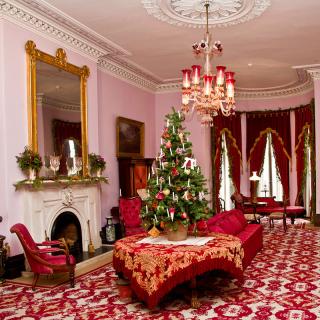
187 171
181 137
162 180
166 191
174 172
154 232
160 195
171 212
184 215
168 144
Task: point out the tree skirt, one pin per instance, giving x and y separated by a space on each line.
283 282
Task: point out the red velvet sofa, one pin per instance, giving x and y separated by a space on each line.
233 222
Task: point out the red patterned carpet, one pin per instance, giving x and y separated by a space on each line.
283 282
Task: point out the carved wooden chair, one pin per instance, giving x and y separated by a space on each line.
129 214
249 211
40 260
279 215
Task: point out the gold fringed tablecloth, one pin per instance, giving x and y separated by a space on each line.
154 270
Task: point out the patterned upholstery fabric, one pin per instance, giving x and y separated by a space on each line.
129 209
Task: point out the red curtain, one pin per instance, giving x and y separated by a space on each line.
257 156
62 131
258 122
232 128
303 121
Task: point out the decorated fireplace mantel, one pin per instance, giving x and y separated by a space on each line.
43 204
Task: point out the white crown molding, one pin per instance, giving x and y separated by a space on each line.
303 85
29 19
118 71
191 13
314 73
57 104
68 23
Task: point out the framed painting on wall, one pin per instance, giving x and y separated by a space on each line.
130 138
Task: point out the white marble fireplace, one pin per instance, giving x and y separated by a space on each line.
42 207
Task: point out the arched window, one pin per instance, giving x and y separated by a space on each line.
270 183
227 187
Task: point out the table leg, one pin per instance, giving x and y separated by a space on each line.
194 296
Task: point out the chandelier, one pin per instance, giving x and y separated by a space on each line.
216 92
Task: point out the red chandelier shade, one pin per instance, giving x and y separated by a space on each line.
186 78
220 75
196 74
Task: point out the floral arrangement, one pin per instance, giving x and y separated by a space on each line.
96 162
29 159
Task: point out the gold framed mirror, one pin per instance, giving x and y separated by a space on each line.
57 85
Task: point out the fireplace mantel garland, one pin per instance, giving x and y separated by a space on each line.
41 182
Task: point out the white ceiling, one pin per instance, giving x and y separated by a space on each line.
286 34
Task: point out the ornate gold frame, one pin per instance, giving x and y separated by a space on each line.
59 61
140 126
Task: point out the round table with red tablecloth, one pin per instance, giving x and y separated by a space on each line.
155 269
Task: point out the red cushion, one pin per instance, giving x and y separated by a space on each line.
215 218
217 229
241 218
227 225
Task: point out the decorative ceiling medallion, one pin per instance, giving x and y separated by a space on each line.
191 13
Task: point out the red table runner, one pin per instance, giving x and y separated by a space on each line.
154 270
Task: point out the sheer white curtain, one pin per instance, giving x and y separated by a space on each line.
269 178
227 187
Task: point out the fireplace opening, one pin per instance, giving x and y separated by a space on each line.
67 226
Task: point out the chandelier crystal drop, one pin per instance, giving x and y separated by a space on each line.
216 91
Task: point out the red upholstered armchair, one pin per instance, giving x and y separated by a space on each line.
129 212
40 260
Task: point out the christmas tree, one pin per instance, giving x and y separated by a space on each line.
176 190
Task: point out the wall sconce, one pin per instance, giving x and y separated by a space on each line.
254 180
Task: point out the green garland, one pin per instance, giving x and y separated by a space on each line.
64 181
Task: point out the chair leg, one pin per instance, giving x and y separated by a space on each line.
34 281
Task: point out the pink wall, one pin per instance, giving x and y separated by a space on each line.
14 118
118 98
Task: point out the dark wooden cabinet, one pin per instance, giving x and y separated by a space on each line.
133 174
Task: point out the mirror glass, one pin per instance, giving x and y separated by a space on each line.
59 113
